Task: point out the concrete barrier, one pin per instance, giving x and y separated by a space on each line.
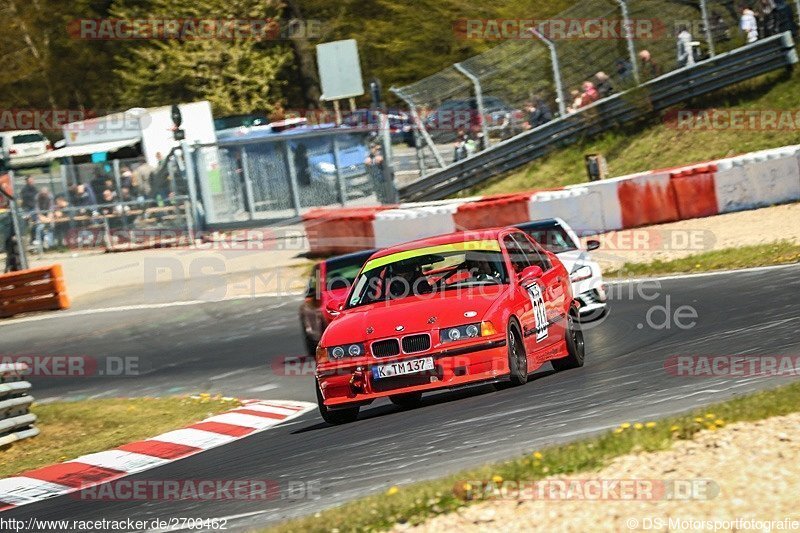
758 180
35 289
16 421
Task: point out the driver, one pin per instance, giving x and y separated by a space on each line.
480 269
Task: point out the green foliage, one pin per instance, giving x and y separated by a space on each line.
235 75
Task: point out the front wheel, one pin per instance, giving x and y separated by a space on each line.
335 416
517 358
575 347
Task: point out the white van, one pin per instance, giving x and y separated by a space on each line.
24 148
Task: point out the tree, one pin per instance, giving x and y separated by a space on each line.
236 74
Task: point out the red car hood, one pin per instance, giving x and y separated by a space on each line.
415 314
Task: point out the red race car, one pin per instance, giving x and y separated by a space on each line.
443 312
328 285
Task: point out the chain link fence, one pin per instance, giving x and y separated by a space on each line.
545 68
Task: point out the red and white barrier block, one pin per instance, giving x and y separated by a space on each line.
744 182
102 467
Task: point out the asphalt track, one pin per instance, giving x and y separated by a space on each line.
190 348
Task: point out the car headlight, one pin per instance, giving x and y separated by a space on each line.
326 167
468 331
580 274
353 350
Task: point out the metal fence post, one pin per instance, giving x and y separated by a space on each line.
15 220
797 6
420 126
339 178
293 186
476 87
390 191
189 163
629 37
707 25
562 105
118 183
248 185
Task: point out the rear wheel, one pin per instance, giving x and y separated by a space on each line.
575 347
406 401
336 416
517 358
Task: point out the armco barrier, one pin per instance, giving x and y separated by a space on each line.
35 289
16 422
745 182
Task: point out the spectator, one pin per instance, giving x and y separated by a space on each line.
624 68
648 68
28 194
141 180
60 225
603 85
126 178
719 28
589 95
44 200
43 219
125 194
538 113
576 101
685 48
83 196
767 18
749 25
784 18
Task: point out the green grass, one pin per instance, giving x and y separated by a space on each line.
413 504
71 429
651 145
777 253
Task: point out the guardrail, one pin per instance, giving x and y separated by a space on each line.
35 289
773 53
16 422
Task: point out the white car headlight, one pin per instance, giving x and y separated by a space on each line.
580 274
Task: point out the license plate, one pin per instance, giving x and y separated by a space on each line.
402 368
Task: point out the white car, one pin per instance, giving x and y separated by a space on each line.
24 148
556 236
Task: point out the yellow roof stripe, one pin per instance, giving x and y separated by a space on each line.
467 246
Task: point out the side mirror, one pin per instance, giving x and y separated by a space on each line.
334 307
530 274
592 245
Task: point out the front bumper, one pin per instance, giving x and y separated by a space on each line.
593 301
351 384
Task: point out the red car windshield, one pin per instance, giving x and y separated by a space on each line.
429 270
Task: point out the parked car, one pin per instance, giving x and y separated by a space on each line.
400 125
444 312
25 148
451 116
586 276
328 285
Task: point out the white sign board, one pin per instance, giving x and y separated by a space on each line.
339 70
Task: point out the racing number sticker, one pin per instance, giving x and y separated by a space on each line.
539 312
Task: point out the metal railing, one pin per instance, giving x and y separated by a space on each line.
16 421
760 57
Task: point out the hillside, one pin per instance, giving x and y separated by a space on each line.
653 144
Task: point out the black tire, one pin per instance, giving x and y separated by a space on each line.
406 401
517 358
576 348
336 416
